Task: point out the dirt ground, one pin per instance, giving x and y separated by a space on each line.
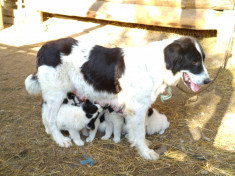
199 141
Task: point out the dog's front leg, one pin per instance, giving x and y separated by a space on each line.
53 105
136 134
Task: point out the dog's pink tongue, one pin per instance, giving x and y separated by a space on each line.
194 87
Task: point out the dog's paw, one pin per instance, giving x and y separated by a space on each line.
149 154
116 139
64 142
88 139
79 142
105 138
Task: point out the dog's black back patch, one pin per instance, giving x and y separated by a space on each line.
104 68
49 54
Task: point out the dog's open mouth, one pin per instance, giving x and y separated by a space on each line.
189 83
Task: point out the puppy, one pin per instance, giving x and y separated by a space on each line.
111 122
155 122
73 117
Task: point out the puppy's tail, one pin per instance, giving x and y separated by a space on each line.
32 85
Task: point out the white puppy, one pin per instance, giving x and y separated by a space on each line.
155 122
74 117
113 123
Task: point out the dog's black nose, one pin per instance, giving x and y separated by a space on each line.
206 81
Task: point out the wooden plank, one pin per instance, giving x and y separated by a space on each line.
185 4
32 16
1 18
225 32
131 13
7 11
8 20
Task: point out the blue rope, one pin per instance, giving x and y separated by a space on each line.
87 161
168 96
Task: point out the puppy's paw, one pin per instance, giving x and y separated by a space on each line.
89 139
149 154
79 142
161 132
64 142
105 138
116 139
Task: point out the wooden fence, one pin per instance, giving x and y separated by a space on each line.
191 14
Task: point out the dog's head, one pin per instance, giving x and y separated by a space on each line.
71 99
185 55
92 110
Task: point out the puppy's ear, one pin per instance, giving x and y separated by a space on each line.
70 95
89 107
150 112
173 55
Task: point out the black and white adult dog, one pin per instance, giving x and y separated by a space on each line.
74 116
128 79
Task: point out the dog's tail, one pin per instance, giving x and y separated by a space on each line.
32 85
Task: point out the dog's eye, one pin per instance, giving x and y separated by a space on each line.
195 62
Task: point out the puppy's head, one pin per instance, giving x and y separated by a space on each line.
71 99
156 122
91 109
185 55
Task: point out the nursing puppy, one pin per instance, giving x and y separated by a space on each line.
113 123
156 122
73 116
109 122
128 79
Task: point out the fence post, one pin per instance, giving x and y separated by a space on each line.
1 18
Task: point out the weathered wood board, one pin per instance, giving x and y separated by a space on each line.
134 13
185 4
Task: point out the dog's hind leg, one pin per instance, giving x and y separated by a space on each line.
54 101
44 113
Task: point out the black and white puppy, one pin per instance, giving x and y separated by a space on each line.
156 122
128 79
73 116
112 122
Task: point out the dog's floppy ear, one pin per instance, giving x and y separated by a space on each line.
173 55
